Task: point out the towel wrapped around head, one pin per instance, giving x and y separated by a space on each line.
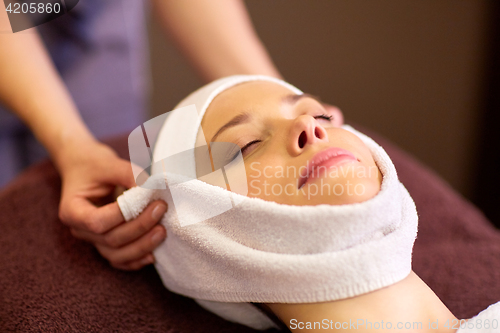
226 250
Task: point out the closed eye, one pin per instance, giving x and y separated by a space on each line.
324 116
245 148
248 145
233 152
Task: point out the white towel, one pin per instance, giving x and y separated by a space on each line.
251 250
261 251
487 321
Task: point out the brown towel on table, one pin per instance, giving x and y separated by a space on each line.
52 282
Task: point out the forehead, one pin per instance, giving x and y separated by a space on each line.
255 96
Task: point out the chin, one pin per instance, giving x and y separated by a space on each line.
335 192
371 188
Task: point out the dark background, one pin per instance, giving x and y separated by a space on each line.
424 73
486 191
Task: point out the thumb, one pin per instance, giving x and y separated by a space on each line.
122 173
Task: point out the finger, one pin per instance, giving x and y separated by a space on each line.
137 264
126 232
132 230
122 174
135 250
85 235
82 214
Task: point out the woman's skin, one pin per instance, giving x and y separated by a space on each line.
279 130
280 133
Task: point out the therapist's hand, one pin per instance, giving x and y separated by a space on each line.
32 88
90 171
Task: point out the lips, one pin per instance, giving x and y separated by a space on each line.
325 158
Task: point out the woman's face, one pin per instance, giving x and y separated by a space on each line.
293 152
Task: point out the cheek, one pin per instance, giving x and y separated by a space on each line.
269 180
263 170
350 141
364 186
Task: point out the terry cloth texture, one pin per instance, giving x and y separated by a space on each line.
52 282
259 251
487 321
179 132
262 251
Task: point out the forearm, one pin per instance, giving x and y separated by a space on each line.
217 36
31 88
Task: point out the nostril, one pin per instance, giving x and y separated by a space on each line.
302 139
318 133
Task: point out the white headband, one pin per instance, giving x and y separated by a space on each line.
179 131
261 251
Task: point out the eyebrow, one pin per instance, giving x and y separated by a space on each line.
293 98
246 117
237 120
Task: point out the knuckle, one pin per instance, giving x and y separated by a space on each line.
116 265
90 226
108 254
143 226
102 250
111 240
134 266
74 233
93 224
147 247
115 262
130 268
63 215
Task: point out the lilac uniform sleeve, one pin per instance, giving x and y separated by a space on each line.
100 50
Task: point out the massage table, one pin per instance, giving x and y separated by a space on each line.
52 282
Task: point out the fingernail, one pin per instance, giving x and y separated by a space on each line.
158 211
157 237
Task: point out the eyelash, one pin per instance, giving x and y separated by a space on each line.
321 116
324 116
248 145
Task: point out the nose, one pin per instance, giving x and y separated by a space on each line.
305 131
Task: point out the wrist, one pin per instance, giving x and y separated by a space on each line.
61 130
68 147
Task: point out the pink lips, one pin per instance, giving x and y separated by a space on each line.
325 158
